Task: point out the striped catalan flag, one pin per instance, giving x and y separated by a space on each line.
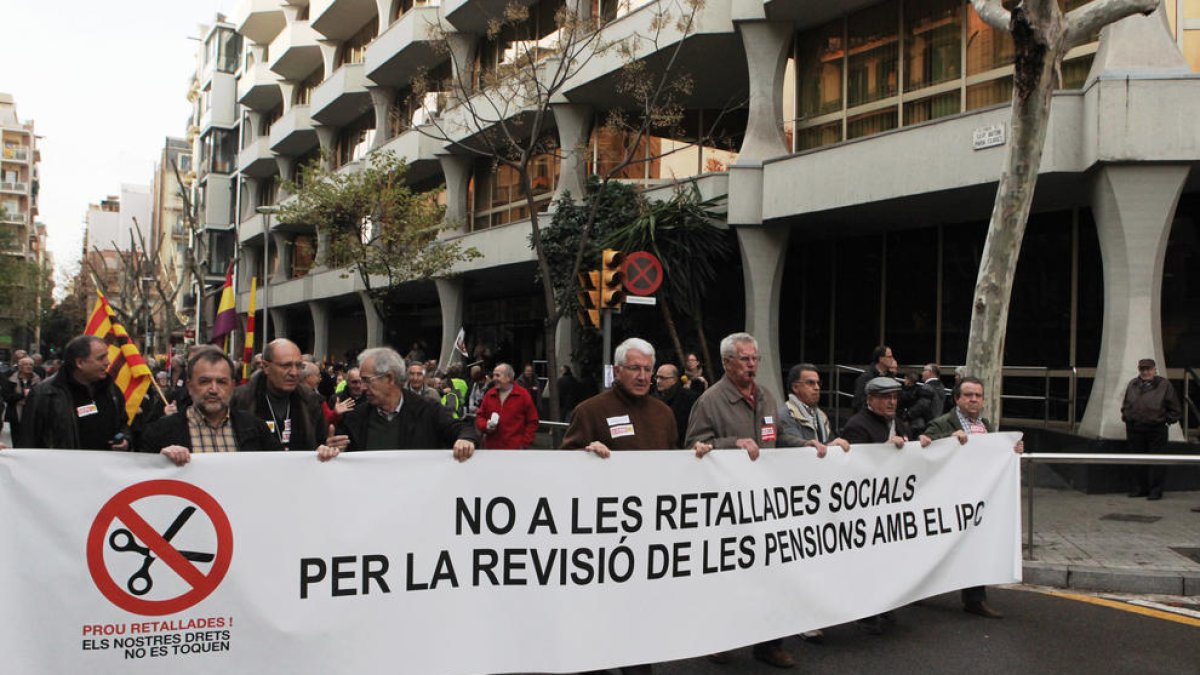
125 364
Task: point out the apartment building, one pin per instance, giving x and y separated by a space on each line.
21 235
860 173
172 237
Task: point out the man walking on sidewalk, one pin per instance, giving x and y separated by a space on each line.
1150 406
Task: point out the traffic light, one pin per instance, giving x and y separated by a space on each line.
589 299
612 282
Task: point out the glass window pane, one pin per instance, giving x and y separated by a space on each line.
874 46
871 123
819 71
815 137
933 52
949 103
1075 71
1191 48
987 48
989 93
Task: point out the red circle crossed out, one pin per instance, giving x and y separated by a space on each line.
643 273
120 508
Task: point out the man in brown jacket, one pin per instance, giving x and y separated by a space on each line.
624 418
737 413
1150 406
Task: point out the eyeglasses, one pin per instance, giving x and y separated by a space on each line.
637 369
293 365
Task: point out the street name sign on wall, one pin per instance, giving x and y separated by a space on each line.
989 137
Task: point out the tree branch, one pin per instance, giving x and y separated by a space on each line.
1084 21
993 13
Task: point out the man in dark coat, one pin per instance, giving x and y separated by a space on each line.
395 420
669 390
16 393
1149 407
208 425
883 364
79 407
961 422
291 409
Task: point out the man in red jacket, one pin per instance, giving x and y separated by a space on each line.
507 418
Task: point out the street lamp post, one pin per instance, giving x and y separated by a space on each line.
266 212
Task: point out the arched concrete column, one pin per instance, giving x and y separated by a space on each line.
279 323
764 250
383 10
281 243
457 171
1134 207
374 322
574 123
327 137
321 260
453 299
329 51
1138 45
381 101
463 48
766 45
251 266
320 320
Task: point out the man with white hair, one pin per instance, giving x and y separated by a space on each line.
392 420
624 417
737 413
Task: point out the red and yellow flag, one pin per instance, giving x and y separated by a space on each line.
125 363
248 352
226 319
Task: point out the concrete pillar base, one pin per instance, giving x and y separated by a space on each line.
764 250
457 172
320 320
574 122
452 298
374 322
1134 207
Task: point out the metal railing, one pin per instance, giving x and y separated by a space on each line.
1085 458
12 186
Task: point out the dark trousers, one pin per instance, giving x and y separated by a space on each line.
974 594
1149 441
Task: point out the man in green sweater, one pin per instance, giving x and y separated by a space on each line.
964 420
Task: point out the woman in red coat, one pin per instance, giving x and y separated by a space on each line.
507 418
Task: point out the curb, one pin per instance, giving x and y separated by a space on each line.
1082 577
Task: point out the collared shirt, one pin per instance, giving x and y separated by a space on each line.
395 411
810 415
971 426
206 438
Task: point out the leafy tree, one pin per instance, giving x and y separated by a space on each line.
379 227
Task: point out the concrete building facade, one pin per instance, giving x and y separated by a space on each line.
172 235
860 176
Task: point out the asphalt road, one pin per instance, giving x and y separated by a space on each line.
1039 634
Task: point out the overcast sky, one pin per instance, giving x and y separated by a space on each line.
106 83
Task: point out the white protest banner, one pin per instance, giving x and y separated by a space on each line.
410 562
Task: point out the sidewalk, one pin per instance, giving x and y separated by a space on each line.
1110 542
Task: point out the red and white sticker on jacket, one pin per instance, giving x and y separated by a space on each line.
768 430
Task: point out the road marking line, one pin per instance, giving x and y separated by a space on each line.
1183 611
1124 606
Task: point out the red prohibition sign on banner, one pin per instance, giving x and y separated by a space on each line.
643 273
157 547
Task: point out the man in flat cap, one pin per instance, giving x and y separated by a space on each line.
1150 406
877 423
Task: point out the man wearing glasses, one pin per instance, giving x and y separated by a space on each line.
393 419
624 417
290 408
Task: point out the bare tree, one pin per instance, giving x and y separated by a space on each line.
505 113
1042 35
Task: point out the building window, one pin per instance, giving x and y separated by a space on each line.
219 148
933 49
874 54
223 50
534 38
354 50
821 53
498 197
354 140
304 92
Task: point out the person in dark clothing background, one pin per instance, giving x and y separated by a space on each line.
79 407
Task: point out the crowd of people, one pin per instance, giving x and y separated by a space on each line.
388 402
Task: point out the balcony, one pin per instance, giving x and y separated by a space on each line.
218 203
471 16
405 47
256 159
340 19
295 53
17 186
17 154
342 97
419 151
293 134
10 218
258 88
251 228
222 103
259 20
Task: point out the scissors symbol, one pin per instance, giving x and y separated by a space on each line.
122 540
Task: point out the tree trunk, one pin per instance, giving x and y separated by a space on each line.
1040 35
669 320
552 310
705 352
